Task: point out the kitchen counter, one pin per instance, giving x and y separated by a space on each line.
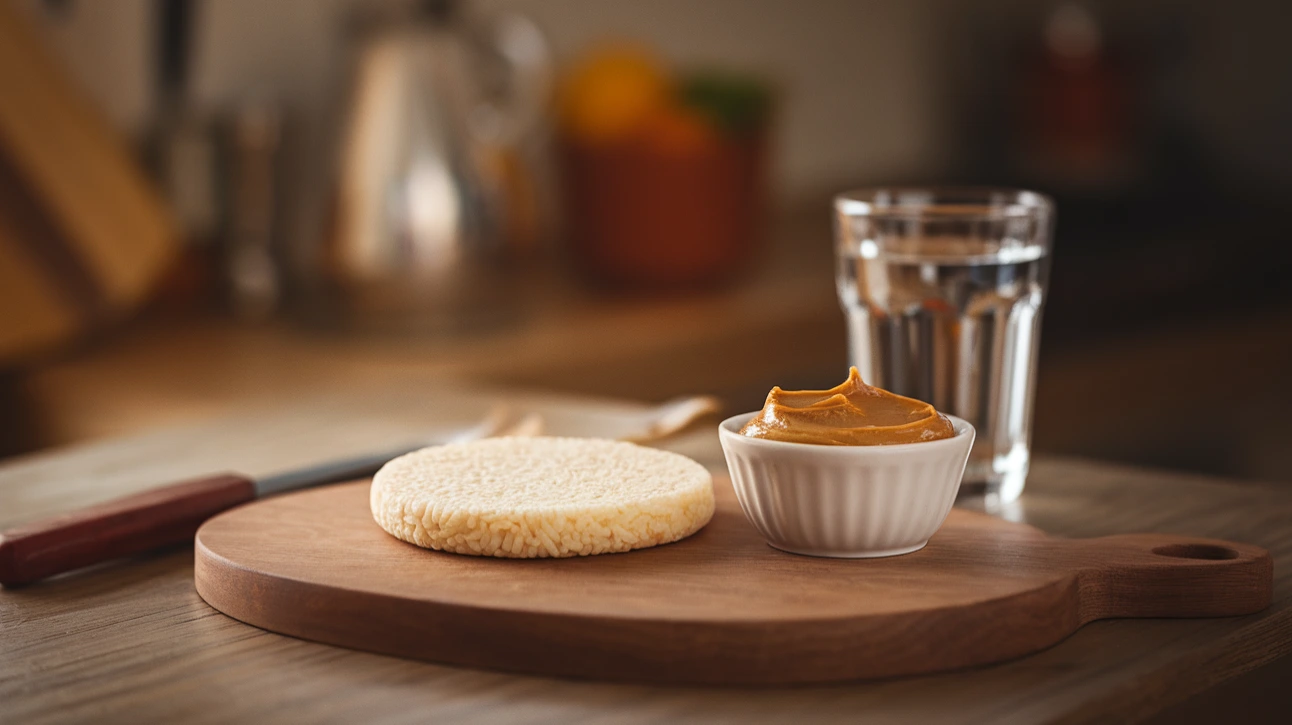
776 324
132 641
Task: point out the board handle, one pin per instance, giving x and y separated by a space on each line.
1157 575
145 521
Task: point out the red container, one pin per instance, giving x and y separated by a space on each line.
648 214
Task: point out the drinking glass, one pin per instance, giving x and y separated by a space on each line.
943 289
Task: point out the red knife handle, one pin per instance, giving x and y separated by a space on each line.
145 521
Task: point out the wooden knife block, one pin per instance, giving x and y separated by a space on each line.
83 234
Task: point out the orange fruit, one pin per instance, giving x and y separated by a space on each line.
611 92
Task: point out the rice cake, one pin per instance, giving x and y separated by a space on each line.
541 497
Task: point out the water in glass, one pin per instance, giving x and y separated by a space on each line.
954 322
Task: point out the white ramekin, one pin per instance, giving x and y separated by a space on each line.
845 501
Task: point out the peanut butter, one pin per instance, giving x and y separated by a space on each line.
850 414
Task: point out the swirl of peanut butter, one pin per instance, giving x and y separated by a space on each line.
850 414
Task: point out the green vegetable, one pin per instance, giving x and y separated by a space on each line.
736 104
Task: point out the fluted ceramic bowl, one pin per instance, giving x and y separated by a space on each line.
845 501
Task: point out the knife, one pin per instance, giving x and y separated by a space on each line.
171 514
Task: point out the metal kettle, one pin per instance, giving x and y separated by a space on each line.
435 201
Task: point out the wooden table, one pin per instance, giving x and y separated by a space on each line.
132 642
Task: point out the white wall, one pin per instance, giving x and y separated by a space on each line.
858 76
864 62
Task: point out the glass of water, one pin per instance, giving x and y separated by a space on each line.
943 289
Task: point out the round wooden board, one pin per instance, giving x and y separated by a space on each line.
719 607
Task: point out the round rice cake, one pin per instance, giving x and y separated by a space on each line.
541 497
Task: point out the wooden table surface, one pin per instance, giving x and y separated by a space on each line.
132 641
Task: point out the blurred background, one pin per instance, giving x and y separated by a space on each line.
207 207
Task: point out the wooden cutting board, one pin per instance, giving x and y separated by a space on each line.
719 607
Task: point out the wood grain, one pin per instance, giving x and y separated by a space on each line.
159 517
133 642
720 607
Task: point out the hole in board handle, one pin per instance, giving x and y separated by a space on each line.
1209 552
